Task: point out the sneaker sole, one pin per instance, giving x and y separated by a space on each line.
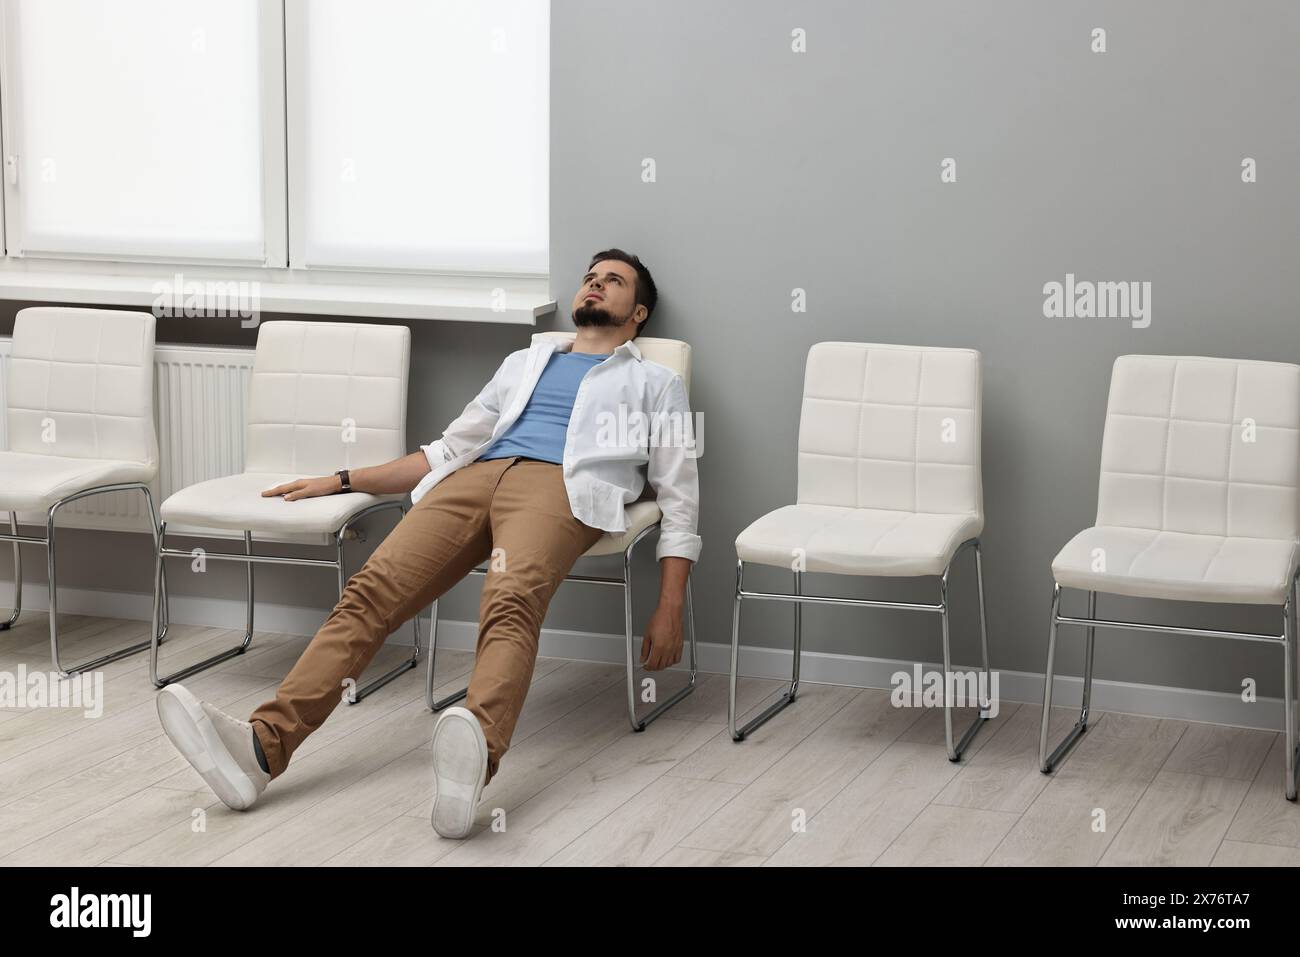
192 732
457 796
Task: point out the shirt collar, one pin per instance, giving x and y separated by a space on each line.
566 345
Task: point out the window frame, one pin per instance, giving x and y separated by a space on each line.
488 295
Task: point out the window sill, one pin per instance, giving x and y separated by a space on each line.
203 291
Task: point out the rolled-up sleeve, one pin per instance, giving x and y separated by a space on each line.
673 475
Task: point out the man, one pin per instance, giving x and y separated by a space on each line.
529 477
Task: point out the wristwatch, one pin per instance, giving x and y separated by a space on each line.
344 478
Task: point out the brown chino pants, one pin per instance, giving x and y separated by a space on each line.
515 512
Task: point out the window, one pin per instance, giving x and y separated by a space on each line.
136 130
365 157
454 177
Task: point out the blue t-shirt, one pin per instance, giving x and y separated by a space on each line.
541 429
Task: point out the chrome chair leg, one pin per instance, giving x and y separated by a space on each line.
18 576
1047 762
956 750
1294 596
376 683
985 704
1289 689
797 598
947 669
158 627
53 579
250 560
735 652
249 604
798 639
792 692
630 656
451 699
640 724
1089 647
455 696
1287 640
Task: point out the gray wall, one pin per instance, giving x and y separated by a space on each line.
821 170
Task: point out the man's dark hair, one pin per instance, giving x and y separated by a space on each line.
646 292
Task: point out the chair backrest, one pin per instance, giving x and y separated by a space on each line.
891 427
1204 446
673 353
80 384
326 395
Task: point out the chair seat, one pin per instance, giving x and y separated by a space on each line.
640 516
236 502
1147 563
857 541
31 482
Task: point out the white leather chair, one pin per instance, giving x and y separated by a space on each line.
889 485
80 423
643 518
322 396
1197 502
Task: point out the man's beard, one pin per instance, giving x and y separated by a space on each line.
594 314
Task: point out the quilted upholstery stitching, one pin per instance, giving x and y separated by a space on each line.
861 410
286 428
43 338
916 434
297 393
352 364
84 415
1239 561
1227 485
1180 478
74 362
881 458
1174 418
1205 572
94 388
1179 418
908 405
926 464
904 518
1169 426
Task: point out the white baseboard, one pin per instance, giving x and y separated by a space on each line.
1157 701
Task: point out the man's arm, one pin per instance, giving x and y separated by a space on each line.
399 475
672 474
662 645
472 427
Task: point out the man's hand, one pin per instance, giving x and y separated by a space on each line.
392 478
306 488
662 646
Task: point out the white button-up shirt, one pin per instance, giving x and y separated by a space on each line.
631 422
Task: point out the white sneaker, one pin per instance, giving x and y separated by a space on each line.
460 761
220 747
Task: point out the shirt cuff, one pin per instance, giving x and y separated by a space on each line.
436 453
678 545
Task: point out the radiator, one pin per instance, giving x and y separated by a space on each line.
200 397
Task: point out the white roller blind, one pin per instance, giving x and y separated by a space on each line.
138 128
420 134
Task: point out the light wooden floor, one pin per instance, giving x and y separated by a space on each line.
871 781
